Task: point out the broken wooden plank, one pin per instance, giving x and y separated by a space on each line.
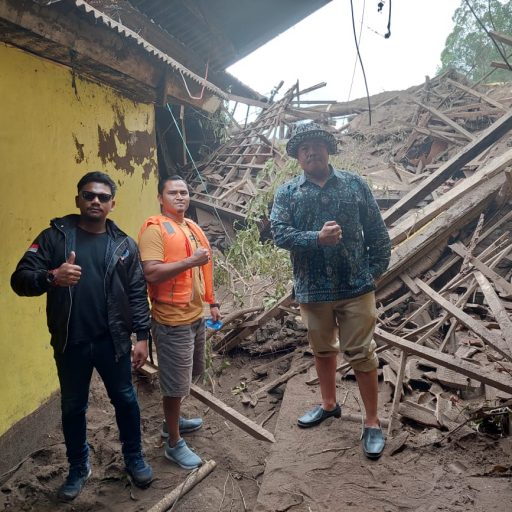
497 308
418 413
473 243
393 418
230 414
448 361
502 38
452 124
437 232
413 223
455 380
484 269
484 140
485 334
477 94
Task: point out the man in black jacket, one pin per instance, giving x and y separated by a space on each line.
96 298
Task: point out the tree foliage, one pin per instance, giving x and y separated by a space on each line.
255 271
468 48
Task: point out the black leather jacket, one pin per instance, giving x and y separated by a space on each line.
124 285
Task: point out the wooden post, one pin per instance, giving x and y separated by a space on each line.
398 393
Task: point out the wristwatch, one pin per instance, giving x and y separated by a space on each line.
50 277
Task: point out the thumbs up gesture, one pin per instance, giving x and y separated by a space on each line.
68 274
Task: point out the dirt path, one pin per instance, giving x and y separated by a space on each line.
293 474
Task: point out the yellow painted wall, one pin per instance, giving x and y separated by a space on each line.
53 129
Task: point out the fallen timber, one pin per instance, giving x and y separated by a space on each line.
451 362
443 197
238 419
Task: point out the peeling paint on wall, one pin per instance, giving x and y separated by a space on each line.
127 149
79 157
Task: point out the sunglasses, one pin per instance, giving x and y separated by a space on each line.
89 196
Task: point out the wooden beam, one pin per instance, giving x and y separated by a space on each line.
452 124
502 38
447 361
494 341
414 222
499 312
398 393
230 414
459 249
477 94
437 232
500 65
484 140
248 101
63 30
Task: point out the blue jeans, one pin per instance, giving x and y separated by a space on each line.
75 368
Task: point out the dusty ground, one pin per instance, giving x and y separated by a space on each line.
465 474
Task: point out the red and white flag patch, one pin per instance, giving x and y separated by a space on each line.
33 248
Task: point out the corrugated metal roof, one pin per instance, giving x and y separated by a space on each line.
127 32
222 32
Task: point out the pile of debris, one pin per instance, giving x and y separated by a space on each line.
441 153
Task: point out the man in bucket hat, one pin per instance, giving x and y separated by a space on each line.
330 222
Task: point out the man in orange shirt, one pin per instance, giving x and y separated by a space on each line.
176 259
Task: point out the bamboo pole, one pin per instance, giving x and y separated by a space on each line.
193 478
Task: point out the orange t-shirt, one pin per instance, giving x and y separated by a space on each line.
151 248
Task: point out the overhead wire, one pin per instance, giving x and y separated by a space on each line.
361 62
388 33
197 172
355 60
479 21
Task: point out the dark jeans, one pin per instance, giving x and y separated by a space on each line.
75 368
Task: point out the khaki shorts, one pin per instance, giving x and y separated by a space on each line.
350 320
180 352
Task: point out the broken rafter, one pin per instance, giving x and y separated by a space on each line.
499 312
230 414
484 140
479 95
413 223
492 340
452 124
448 361
488 272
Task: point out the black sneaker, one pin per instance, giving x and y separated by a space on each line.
139 471
74 482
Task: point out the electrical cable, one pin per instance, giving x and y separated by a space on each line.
361 63
503 56
388 33
355 60
198 173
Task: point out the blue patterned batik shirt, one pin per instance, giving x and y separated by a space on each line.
330 273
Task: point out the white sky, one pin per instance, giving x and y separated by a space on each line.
321 49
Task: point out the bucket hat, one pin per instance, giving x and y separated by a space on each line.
305 131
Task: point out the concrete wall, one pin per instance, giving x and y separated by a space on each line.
55 127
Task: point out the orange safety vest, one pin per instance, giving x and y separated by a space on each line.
177 247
